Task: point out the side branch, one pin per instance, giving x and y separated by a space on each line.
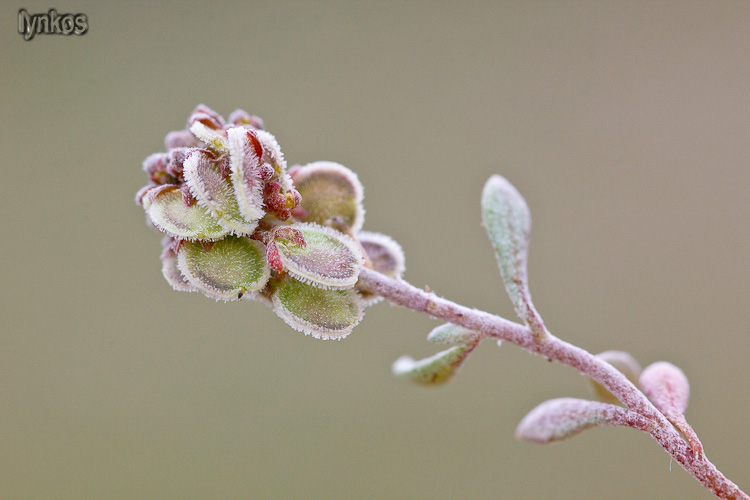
404 294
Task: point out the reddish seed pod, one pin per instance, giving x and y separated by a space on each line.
142 193
180 139
156 162
206 116
241 117
177 157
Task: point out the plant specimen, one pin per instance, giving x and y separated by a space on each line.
239 225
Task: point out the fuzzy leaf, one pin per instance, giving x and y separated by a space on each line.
626 364
508 223
244 156
324 314
166 209
448 333
228 269
329 259
330 190
434 370
212 190
559 419
666 386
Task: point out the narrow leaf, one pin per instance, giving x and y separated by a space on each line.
559 419
329 259
508 223
167 210
449 333
330 191
324 314
216 193
666 386
625 364
434 370
227 270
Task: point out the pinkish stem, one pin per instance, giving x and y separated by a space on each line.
402 293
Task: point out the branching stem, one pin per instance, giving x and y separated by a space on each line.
696 464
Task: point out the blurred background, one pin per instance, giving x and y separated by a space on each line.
624 124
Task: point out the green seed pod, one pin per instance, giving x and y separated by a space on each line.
324 314
229 269
167 210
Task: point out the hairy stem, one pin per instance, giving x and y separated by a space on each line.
696 464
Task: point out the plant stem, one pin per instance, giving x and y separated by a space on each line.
696 464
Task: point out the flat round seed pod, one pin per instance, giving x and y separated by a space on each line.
244 157
330 190
227 270
213 191
166 209
324 314
329 259
384 253
172 274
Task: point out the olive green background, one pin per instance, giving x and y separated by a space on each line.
624 124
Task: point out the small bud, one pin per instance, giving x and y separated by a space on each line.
292 234
273 257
